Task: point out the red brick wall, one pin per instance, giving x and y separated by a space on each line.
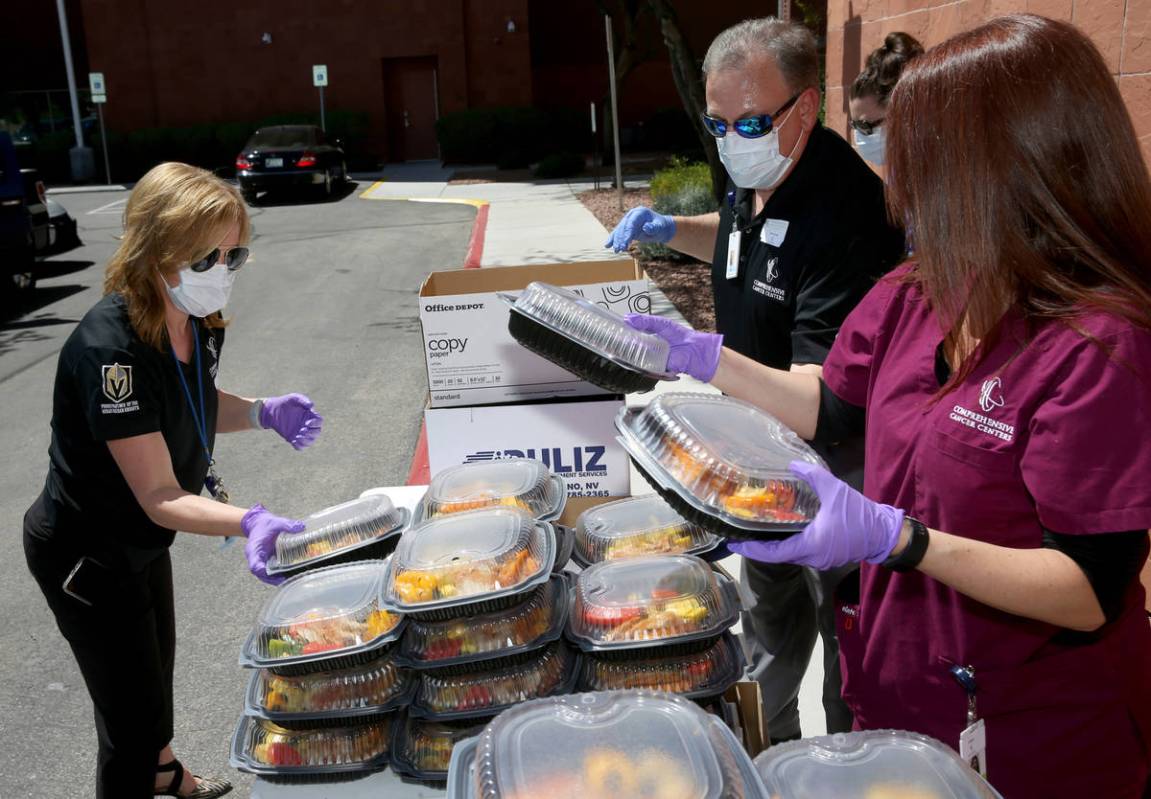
172 63
1121 29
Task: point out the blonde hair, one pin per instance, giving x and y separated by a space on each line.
173 217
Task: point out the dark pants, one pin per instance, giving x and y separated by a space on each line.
792 605
125 645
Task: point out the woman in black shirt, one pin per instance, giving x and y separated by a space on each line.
134 419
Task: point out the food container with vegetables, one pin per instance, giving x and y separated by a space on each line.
877 764
707 673
635 744
482 559
506 483
485 689
422 749
721 463
637 526
265 748
325 697
587 339
324 620
659 600
362 529
537 619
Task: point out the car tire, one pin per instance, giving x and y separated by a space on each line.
327 184
249 196
344 173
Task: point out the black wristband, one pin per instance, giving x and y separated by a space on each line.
912 554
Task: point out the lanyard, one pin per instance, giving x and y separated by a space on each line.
200 419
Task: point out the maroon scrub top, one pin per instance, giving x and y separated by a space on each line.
1051 430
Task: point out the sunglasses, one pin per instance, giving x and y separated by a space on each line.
751 127
865 127
233 259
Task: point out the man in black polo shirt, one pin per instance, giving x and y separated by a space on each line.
801 237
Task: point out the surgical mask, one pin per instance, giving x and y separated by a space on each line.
871 147
755 163
202 293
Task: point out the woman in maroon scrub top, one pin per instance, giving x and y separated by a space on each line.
1005 380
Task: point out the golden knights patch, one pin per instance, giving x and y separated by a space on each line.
117 382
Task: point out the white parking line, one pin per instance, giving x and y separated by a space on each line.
114 207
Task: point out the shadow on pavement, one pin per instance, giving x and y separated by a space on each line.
272 199
48 269
30 301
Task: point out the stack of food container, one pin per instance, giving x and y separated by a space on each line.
879 764
659 622
637 527
478 580
633 744
321 702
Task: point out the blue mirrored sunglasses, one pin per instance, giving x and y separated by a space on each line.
751 127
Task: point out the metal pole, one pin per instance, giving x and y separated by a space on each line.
614 109
594 147
104 142
67 42
323 121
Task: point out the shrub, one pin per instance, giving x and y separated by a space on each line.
559 165
682 189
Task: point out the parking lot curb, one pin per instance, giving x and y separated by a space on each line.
84 189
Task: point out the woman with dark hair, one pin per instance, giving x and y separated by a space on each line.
872 88
1005 380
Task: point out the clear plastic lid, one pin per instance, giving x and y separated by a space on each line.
490 687
652 601
539 619
469 557
375 687
698 674
610 745
263 747
724 457
878 764
604 332
323 614
509 482
637 526
338 531
422 749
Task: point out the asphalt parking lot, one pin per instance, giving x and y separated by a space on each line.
326 306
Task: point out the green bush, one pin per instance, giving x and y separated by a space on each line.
681 189
559 165
512 138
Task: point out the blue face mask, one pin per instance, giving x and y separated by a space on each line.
871 146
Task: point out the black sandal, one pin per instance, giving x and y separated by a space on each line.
206 788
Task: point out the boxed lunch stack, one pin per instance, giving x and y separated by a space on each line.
479 580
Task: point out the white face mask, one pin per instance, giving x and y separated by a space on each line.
871 147
755 163
202 293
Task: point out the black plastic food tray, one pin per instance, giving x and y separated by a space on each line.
376 549
576 358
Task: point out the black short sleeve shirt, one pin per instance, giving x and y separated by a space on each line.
806 259
111 385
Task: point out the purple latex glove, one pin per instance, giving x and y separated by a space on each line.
643 225
848 528
262 527
293 418
692 353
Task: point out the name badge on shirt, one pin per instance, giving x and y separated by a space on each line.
773 232
973 747
733 253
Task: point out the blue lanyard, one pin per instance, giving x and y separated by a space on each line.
199 419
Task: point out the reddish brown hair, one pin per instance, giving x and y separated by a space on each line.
1014 164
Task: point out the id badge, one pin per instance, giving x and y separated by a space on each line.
733 253
973 747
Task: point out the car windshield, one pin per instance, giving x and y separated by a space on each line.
284 137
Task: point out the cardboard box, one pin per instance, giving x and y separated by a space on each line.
577 440
473 360
748 701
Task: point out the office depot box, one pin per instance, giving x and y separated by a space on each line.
576 440
473 360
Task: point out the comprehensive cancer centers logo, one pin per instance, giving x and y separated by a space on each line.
117 382
991 395
990 399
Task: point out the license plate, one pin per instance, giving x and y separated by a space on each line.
270 162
